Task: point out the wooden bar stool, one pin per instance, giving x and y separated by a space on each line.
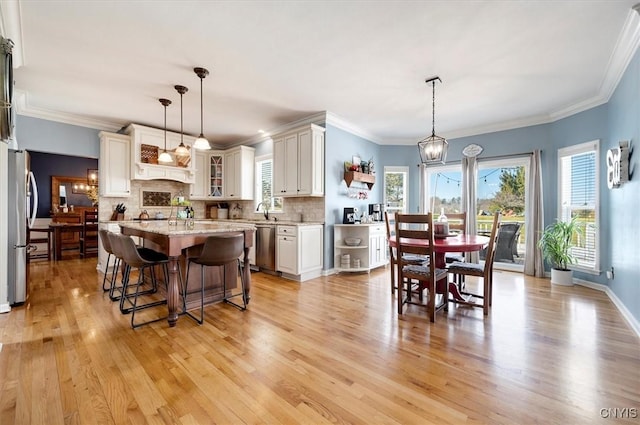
218 250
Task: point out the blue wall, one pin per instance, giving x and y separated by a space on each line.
620 211
45 165
48 136
341 146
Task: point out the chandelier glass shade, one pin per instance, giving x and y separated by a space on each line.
201 142
165 157
433 149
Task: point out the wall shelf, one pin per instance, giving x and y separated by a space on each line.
354 176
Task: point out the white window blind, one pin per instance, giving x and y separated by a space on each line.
264 183
578 197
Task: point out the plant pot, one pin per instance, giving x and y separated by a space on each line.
562 277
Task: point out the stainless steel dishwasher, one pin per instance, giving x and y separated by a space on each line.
266 247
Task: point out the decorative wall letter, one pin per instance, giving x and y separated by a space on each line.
618 165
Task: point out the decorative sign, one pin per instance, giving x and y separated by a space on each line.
618 165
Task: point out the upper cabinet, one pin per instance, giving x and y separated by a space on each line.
146 145
239 172
224 175
113 165
209 177
298 162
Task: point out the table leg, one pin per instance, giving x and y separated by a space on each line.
173 290
443 284
57 241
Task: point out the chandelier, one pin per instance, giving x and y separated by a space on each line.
433 149
165 156
201 142
181 150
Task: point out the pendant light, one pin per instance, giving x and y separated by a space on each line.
433 149
181 149
165 156
201 142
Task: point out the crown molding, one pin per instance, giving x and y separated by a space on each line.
343 124
11 28
317 118
21 102
626 46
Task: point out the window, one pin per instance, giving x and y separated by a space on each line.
578 197
396 189
444 189
264 185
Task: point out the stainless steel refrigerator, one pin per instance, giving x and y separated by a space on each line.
23 206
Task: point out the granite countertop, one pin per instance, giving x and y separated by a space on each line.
270 222
162 227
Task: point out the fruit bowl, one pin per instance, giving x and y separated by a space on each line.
352 241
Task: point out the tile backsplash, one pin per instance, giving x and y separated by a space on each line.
295 209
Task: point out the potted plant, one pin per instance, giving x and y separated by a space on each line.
556 243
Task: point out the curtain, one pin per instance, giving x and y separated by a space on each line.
533 263
469 198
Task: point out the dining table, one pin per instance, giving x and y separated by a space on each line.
444 244
173 239
57 230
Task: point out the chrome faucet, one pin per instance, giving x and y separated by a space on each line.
265 210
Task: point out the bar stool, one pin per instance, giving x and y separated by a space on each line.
106 245
142 259
218 250
116 250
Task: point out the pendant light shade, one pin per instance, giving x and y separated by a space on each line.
201 142
433 149
181 149
165 156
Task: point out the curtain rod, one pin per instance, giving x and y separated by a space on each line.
506 156
491 158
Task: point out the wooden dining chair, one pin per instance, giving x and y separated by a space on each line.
414 235
89 235
389 219
482 271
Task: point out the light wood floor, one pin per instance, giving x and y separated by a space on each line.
331 350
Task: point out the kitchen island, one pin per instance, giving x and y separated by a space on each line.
176 241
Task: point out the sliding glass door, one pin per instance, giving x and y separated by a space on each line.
501 186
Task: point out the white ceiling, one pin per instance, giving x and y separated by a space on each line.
503 64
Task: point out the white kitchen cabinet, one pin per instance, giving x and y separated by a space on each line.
144 166
298 162
199 189
114 165
370 253
239 171
299 254
208 184
377 245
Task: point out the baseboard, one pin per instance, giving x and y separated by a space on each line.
633 322
5 308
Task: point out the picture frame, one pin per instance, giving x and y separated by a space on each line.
356 160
